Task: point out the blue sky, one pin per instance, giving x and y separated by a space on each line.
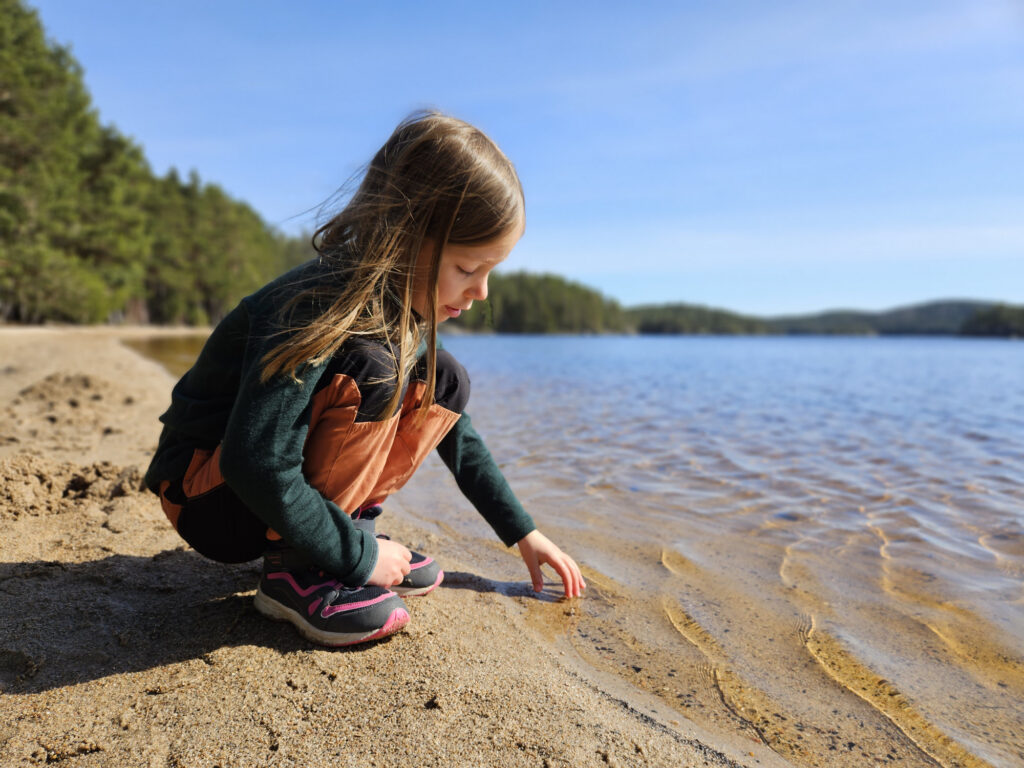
768 158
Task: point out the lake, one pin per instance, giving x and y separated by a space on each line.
815 542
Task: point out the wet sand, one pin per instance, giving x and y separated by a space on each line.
120 646
824 563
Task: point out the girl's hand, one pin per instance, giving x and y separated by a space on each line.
392 564
536 549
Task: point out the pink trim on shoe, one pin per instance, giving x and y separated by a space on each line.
425 561
295 585
330 610
418 591
398 619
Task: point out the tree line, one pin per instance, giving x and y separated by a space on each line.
520 302
999 320
690 319
87 232
946 318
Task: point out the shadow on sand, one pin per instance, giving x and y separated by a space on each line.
552 592
68 623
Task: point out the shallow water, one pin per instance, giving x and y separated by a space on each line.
816 542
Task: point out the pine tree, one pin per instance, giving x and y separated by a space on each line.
87 233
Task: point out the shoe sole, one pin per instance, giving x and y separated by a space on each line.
274 610
417 591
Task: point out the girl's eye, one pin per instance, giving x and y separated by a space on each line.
464 272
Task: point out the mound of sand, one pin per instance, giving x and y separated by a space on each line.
34 485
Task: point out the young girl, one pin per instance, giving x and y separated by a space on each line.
321 394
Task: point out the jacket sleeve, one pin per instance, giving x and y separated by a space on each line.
481 481
261 460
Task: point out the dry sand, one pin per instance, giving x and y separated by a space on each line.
120 646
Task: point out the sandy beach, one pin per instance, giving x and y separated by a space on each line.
120 646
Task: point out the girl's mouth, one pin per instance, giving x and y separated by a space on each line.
452 311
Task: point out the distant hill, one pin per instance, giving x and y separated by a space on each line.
691 318
522 302
997 320
946 318
932 318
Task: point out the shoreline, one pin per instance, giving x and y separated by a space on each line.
126 648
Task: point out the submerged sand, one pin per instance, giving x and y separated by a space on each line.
120 646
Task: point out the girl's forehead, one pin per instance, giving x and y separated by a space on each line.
493 252
485 253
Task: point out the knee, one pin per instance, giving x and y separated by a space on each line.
372 367
451 388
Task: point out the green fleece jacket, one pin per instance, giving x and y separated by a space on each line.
262 429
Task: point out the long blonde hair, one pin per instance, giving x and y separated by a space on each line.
436 179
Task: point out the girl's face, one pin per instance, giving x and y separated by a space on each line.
462 276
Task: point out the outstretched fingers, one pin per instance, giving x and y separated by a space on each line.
536 549
569 572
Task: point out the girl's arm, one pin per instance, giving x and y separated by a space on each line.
262 456
482 482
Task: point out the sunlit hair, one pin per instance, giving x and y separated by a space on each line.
437 180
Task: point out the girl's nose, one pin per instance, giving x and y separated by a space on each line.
478 290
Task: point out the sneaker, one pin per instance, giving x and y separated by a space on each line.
322 608
424 572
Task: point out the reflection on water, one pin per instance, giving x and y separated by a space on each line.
176 353
818 543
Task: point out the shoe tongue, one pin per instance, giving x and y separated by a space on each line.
365 524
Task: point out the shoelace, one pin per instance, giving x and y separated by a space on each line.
339 590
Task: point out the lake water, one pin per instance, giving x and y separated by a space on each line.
814 542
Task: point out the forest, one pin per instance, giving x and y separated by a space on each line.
934 318
520 302
89 234
998 320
